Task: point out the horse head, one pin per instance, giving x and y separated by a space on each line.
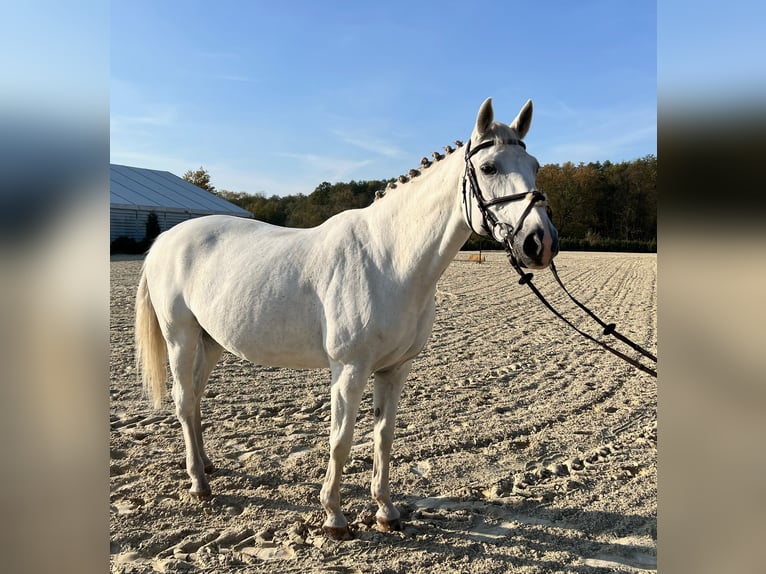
499 194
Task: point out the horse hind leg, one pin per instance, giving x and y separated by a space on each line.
183 347
208 354
386 392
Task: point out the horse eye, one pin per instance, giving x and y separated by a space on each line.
488 169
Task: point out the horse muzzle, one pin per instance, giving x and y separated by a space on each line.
537 248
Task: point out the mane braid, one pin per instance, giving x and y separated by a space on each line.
425 163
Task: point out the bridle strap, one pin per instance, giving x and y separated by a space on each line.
610 329
489 143
490 222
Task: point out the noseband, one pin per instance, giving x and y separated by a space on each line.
502 232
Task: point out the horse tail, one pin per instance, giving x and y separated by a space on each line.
151 349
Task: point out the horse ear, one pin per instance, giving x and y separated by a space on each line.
523 120
484 119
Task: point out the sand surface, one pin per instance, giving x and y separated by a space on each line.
520 446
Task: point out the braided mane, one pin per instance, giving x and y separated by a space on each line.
425 163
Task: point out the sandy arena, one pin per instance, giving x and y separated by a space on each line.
520 446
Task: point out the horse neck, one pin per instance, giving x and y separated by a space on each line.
422 221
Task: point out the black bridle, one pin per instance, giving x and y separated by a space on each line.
505 234
502 232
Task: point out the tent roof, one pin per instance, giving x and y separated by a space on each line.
137 187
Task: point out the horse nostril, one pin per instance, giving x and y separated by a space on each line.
533 245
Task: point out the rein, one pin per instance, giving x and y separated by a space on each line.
500 231
609 329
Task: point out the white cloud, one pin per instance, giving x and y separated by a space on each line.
159 116
621 132
619 146
234 78
374 145
325 168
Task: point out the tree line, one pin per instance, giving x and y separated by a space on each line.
596 206
603 206
307 210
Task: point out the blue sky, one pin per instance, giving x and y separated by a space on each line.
277 97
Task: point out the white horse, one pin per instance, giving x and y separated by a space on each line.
355 294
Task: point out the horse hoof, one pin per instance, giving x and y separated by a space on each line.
335 533
202 494
389 525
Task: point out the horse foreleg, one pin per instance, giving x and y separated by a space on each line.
181 354
387 390
346 393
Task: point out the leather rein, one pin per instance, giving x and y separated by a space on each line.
505 234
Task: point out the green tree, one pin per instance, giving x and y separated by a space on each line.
152 228
603 205
564 198
200 178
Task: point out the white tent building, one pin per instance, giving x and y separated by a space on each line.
135 192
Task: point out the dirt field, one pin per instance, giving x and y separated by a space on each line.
519 445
